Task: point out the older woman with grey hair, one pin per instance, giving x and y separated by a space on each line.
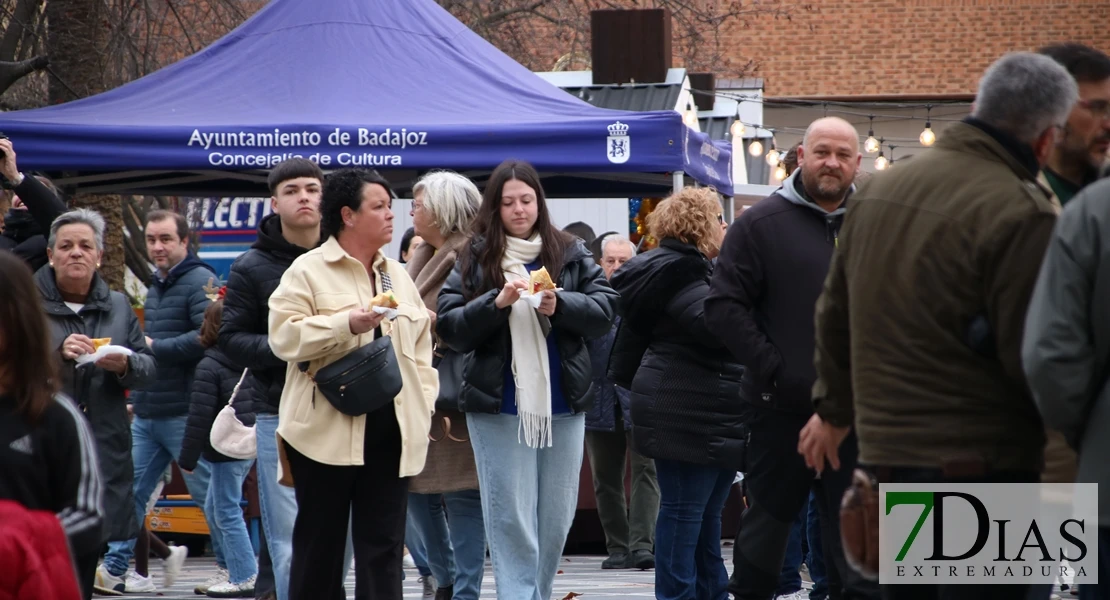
82 312
444 204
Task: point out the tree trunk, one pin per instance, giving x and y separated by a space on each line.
75 35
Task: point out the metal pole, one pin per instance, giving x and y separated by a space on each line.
678 181
730 209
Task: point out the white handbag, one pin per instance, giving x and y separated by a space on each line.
229 436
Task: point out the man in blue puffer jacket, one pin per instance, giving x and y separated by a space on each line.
174 312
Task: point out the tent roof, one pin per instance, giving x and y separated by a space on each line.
393 85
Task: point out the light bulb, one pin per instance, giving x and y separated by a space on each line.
927 136
780 173
871 146
756 148
881 163
773 157
737 130
690 118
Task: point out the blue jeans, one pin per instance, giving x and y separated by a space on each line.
529 496
456 553
277 502
278 505
416 549
155 443
816 558
225 491
688 561
790 578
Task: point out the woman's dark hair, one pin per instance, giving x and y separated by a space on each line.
210 328
406 241
344 188
30 366
488 225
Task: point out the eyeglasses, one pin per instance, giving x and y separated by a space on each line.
1098 108
721 218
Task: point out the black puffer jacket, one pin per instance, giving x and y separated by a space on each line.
685 386
215 380
101 394
25 230
585 309
254 276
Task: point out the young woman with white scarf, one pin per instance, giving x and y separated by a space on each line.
527 374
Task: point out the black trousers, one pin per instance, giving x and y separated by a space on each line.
376 500
85 566
958 592
778 484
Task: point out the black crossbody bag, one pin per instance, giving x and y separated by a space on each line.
364 380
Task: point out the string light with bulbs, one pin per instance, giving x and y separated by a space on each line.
773 156
881 162
928 137
872 145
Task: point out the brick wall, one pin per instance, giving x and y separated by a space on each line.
848 47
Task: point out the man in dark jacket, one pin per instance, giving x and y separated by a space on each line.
1066 350
173 314
1076 158
761 304
34 207
292 230
919 326
629 529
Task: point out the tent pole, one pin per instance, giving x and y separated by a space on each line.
678 181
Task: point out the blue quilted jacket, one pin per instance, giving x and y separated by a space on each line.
173 315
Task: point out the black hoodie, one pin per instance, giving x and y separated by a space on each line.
245 330
25 230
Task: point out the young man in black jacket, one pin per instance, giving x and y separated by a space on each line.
292 230
761 302
34 208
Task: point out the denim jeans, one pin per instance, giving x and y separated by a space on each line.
816 557
688 561
529 496
456 552
155 443
278 505
225 491
790 579
416 549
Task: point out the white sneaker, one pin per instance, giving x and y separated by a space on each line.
408 562
137 584
171 566
429 583
799 595
227 589
221 576
106 581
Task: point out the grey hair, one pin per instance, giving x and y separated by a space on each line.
1023 94
452 199
609 239
79 216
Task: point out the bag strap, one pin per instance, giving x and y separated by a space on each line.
387 285
235 392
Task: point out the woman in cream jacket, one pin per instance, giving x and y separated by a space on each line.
341 465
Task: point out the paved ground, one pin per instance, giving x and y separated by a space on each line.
580 574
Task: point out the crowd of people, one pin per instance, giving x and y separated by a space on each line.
937 323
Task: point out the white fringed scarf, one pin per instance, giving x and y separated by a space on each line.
531 369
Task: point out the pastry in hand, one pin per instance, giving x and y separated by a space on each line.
384 300
541 280
98 343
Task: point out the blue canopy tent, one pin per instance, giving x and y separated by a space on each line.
399 86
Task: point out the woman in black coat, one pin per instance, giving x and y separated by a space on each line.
80 308
526 377
685 403
214 384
